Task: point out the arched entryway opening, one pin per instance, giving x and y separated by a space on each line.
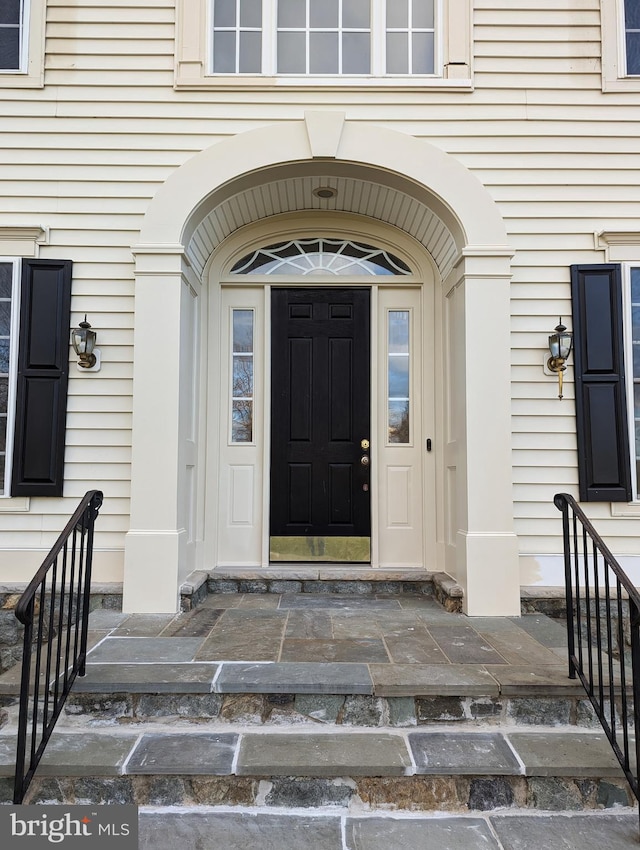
217 202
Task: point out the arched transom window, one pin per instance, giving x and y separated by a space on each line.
321 256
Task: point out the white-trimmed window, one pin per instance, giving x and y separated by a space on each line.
620 26
323 37
12 30
323 42
9 313
22 43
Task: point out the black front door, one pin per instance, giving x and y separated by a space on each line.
320 419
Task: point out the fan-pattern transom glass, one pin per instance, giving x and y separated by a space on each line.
303 257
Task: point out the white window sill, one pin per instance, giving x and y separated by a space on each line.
260 83
630 509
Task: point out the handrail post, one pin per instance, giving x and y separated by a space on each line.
563 506
634 625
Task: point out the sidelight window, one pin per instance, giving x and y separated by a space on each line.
242 376
398 375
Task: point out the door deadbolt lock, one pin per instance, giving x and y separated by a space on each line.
364 444
364 460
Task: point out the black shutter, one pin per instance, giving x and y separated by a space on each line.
601 404
43 372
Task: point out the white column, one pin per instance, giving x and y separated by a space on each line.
155 546
487 547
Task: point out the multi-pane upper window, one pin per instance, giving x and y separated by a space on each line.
632 36
324 37
320 256
12 14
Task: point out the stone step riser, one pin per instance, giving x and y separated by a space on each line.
341 710
443 793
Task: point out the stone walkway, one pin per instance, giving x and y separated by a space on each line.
265 831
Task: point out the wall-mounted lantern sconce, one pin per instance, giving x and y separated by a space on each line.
83 340
560 343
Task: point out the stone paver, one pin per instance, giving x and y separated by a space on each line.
528 680
86 754
143 625
387 833
188 678
364 650
463 753
355 754
140 649
336 602
298 678
565 754
198 753
463 645
242 831
582 832
432 680
245 635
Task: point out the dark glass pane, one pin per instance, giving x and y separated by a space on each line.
9 11
637 437
636 401
422 12
633 53
292 13
243 330
635 285
323 53
9 48
397 14
635 324
4 394
632 14
292 53
6 277
398 376
397 53
356 53
224 53
4 356
323 14
242 421
5 318
2 473
243 376
398 421
3 433
636 359
224 13
423 61
250 13
399 331
356 13
250 52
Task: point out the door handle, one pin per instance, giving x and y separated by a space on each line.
364 460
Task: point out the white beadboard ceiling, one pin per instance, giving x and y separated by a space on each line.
295 193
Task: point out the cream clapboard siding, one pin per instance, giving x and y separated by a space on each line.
84 155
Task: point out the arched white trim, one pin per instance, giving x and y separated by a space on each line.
475 314
402 162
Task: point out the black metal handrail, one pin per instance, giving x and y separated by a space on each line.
54 610
602 604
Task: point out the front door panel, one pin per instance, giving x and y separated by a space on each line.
320 505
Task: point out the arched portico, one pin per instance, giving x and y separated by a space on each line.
219 191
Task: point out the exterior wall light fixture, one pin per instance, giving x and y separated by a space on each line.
83 340
560 344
